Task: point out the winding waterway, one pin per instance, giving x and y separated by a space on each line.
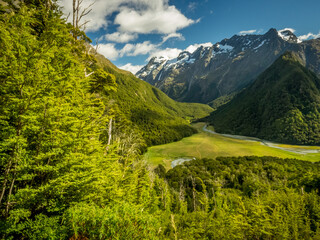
295 149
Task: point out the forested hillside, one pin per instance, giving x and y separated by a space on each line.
282 105
147 110
58 177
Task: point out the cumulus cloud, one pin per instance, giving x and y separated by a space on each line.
168 53
145 48
194 47
173 35
135 16
108 50
131 68
171 53
288 29
247 32
164 20
309 36
138 49
121 37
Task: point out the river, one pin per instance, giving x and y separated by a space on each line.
295 149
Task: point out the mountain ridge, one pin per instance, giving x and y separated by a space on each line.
227 66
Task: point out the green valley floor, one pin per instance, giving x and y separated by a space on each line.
208 145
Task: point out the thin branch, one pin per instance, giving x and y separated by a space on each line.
10 192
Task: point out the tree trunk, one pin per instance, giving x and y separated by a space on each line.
74 18
110 132
10 192
4 185
194 194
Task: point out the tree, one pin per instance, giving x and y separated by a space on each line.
78 13
50 123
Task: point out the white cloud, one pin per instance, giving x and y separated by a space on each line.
172 35
194 47
247 32
108 50
154 18
287 29
168 53
309 36
135 16
121 37
143 48
131 68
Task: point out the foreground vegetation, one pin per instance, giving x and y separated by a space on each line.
69 149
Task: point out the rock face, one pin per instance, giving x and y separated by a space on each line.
282 105
227 66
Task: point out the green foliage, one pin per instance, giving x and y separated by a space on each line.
53 157
248 198
222 100
102 82
283 105
148 112
114 222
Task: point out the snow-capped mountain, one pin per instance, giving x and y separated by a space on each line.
227 66
287 35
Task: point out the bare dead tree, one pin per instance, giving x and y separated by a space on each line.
110 132
78 13
194 193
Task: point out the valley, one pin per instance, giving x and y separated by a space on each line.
209 145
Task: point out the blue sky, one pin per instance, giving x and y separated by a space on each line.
129 32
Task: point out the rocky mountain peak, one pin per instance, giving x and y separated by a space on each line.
184 55
227 66
288 35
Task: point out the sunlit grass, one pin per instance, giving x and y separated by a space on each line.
206 145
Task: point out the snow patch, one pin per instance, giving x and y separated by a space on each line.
248 42
159 59
191 60
225 48
260 45
159 78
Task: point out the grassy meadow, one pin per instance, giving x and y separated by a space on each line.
207 145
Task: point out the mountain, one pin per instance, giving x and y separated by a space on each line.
227 66
147 111
282 105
